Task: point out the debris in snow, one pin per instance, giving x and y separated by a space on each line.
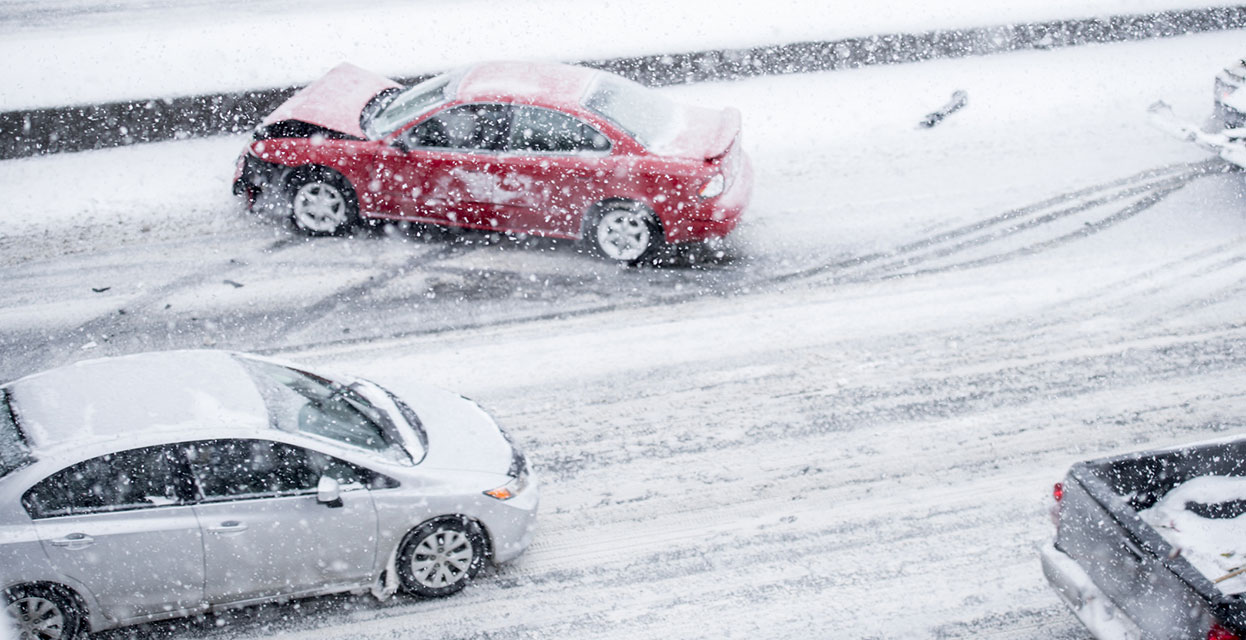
100 289
236 285
90 345
958 102
1229 144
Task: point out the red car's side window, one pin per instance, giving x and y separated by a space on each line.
536 129
468 127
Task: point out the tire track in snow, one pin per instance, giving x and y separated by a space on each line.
102 328
1167 171
1152 185
316 312
915 258
1180 287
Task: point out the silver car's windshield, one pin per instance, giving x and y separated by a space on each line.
303 402
643 113
410 104
14 454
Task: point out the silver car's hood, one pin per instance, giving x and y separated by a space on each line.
460 434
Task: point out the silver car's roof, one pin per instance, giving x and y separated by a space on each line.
137 395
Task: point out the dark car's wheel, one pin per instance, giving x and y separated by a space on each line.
626 232
440 557
44 613
322 203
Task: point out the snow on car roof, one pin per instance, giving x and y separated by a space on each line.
545 82
132 395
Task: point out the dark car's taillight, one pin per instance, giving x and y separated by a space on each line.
1219 632
1057 492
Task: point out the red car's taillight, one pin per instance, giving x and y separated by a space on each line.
1218 632
714 186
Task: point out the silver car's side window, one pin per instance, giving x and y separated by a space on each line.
135 479
244 469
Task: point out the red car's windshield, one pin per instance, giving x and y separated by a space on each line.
410 104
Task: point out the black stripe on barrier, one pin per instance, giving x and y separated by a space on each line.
79 128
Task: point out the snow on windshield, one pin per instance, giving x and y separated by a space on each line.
1205 518
302 402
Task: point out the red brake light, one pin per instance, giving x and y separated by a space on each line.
1218 632
1057 491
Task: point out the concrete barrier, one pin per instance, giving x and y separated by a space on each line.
78 128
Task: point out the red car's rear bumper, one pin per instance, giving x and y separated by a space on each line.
716 217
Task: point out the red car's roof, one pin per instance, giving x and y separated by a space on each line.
543 83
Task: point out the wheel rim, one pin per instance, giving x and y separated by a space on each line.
319 207
38 618
624 235
442 559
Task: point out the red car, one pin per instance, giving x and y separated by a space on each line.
543 149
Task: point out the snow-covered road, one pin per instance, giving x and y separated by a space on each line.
847 425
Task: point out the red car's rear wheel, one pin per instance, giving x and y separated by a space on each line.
626 232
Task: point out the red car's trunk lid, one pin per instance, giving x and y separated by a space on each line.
705 133
335 100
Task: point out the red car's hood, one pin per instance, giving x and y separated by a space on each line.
335 100
704 134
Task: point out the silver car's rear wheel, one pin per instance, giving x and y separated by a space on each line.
42 614
440 558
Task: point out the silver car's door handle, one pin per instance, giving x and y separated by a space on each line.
229 526
74 541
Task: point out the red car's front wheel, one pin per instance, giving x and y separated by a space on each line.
322 203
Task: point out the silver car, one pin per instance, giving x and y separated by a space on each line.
167 484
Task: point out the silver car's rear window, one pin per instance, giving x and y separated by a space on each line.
14 452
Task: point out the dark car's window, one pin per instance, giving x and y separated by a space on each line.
304 402
642 112
467 127
410 104
546 130
135 479
237 469
14 454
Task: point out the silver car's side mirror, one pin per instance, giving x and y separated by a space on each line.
329 492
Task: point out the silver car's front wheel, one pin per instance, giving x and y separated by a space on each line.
626 233
440 558
42 614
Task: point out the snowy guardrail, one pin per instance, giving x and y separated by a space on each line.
78 128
